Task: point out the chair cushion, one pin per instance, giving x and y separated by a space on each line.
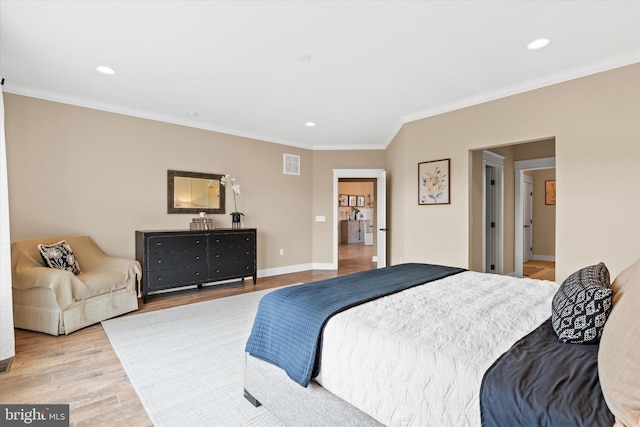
59 255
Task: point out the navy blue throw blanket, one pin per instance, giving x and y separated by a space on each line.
541 381
287 330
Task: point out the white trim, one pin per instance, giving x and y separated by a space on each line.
593 68
497 161
276 271
519 168
550 258
7 339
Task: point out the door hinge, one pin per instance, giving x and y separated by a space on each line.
493 182
493 267
493 225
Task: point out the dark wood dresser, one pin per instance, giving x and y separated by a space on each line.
178 258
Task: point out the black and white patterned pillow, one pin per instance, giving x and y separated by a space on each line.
582 305
60 256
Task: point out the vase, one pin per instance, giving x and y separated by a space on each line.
235 220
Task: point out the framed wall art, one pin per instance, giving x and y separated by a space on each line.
360 201
343 200
433 182
550 192
352 200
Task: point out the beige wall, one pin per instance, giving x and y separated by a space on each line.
595 123
81 171
544 217
75 170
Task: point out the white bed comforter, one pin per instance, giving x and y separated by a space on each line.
417 358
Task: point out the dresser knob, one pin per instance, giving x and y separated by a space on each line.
197 242
247 253
197 273
217 271
197 257
159 243
217 240
159 261
159 279
217 255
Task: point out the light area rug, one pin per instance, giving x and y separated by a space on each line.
186 363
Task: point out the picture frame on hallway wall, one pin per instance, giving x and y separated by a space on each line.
550 192
352 200
360 201
343 200
434 186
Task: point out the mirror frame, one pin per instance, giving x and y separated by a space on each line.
171 174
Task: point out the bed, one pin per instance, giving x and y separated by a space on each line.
445 347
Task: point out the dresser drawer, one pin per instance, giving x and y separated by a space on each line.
170 278
230 240
229 269
180 243
170 260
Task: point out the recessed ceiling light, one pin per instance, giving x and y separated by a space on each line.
310 124
192 114
538 44
106 70
304 57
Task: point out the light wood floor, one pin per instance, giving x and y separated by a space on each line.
544 270
82 370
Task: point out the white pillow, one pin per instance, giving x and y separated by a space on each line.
619 352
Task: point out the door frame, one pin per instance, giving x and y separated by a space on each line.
381 209
496 161
526 179
519 167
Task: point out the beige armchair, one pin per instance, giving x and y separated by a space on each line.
56 301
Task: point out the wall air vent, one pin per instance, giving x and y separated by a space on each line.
290 164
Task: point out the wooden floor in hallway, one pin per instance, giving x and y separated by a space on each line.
543 270
355 257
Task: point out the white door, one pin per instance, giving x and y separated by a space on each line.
527 220
381 214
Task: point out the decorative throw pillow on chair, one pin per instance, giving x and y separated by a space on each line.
59 255
582 305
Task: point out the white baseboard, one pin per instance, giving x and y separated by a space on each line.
285 270
324 266
550 258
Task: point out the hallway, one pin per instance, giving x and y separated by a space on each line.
355 257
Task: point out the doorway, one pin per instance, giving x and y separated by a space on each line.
492 199
378 206
492 215
525 219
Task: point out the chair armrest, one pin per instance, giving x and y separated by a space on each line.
129 267
61 282
122 265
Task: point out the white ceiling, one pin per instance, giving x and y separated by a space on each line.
374 64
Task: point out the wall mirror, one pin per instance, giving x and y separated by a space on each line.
193 192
